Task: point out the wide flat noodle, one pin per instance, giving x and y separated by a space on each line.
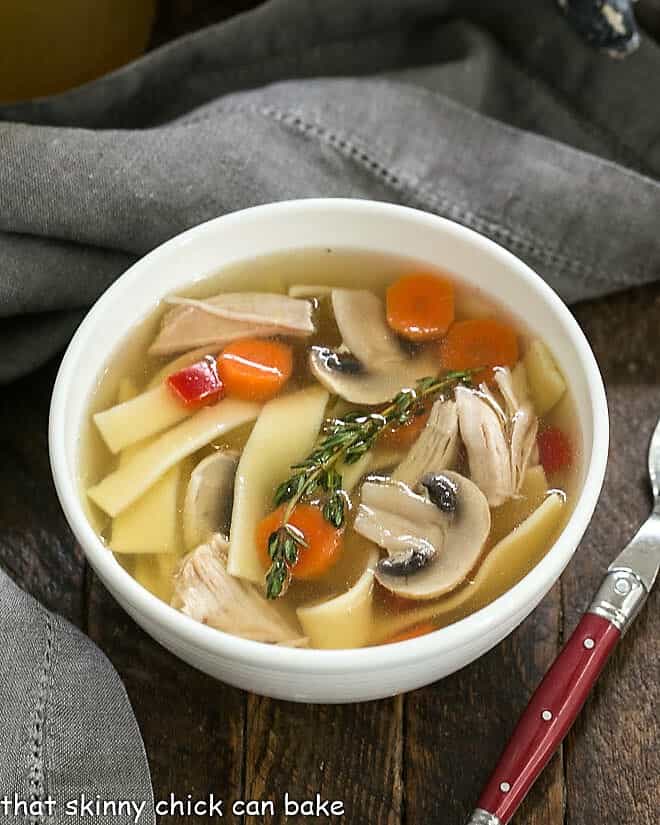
284 434
126 484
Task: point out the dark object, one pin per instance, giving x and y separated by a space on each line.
608 25
340 362
408 562
442 492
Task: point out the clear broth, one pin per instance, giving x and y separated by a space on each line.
276 273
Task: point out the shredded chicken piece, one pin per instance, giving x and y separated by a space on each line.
523 428
292 314
499 442
204 590
435 449
217 321
486 445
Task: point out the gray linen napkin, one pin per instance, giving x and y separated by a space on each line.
69 737
495 114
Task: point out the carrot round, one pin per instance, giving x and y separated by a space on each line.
420 307
405 435
418 630
482 342
255 369
323 540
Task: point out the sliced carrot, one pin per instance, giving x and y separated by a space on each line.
418 630
255 369
406 434
420 307
324 541
483 342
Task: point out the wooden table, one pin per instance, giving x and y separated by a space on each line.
417 759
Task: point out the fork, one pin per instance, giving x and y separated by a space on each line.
559 698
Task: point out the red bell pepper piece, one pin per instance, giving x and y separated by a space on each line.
555 450
198 384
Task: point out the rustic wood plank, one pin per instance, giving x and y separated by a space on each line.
37 548
614 743
613 760
456 728
192 725
350 753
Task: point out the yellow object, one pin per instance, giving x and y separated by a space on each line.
155 572
514 511
47 46
346 620
150 524
284 434
147 414
126 484
546 384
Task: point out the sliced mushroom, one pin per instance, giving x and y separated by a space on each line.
370 367
407 525
360 318
458 537
500 443
209 497
343 375
223 318
435 449
204 590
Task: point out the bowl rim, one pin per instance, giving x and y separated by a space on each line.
137 600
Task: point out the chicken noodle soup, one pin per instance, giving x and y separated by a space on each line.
331 448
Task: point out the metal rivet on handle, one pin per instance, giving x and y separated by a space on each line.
622 586
505 787
546 715
589 643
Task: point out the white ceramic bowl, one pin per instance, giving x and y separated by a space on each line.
318 675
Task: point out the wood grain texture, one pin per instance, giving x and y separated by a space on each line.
613 758
192 725
456 728
37 548
351 753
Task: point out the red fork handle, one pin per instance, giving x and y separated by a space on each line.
548 718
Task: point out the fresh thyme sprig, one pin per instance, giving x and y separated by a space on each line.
347 439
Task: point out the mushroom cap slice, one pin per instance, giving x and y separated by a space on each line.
371 366
410 527
362 386
209 497
466 532
360 318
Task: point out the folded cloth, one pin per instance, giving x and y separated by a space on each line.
69 737
495 114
